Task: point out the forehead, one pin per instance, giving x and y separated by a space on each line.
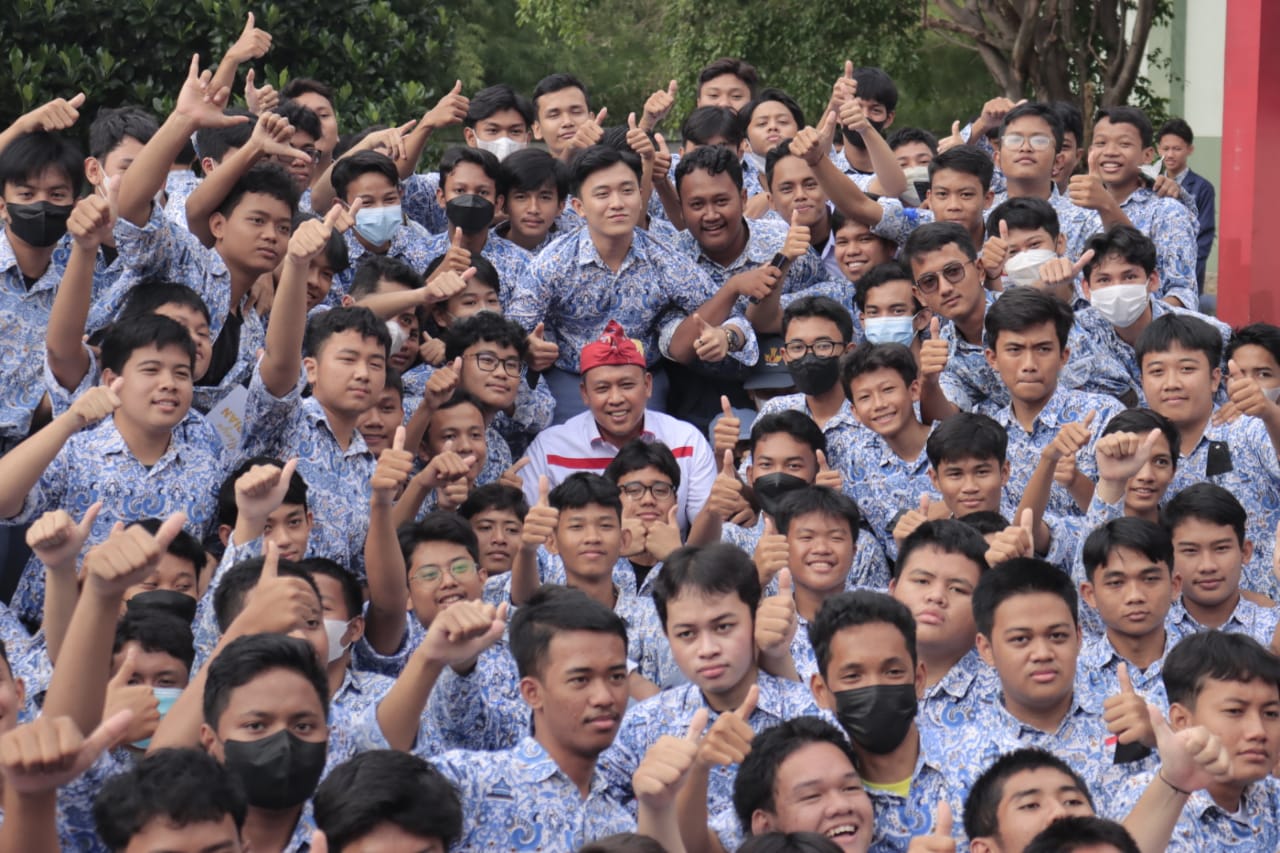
500 350
263 203
893 291
1106 126
1043 779
505 117
938 258
148 662
618 173
646 475
867 645
50 177
819 521
436 551
184 314
954 180
171 355
782 444
1024 235
1177 352
1259 690
1031 610
470 173
692 606
350 339
931 558
127 148
878 377
369 182
791 168
1037 332
314 101
813 762
770 109
585 649
274 691
612 373
460 416
172 565
561 99
725 82
1254 354
495 514
1202 530
1130 561
811 327
700 181
1029 124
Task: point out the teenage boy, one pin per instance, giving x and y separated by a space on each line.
133 454
937 570
1210 553
563 119
1137 456
1121 146
866 110
1228 686
648 477
617 390
1048 425
1175 144
706 598
859 252
1179 357
537 189
727 82
1256 349
888 311
344 355
610 271
870 677
496 514
892 465
1131 584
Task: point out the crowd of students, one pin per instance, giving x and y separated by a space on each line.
801 486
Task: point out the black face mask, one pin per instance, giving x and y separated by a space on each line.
471 213
855 139
175 602
877 718
814 375
278 772
772 488
39 224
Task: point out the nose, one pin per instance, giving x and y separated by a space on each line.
707 645
936 594
1041 649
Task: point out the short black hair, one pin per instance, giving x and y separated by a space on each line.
184 546
1025 213
335 252
1142 422
27 157
495 99
557 82
817 499
215 142
712 159
852 609
1020 576
1182 330
552 610
486 160
597 158
934 236
352 595
182 787
325 324
715 569
707 123
1207 502
948 535
1176 127
438 526
637 454
1137 534
1040 110
245 658
1076 832
771 158
967 435
269 179
820 306
1023 307
765 96
743 70
1072 119
984 521
1217 655
360 163
302 117
753 786
296 494
240 579
1263 335
148 330
879 275
1132 116
794 423
583 488
966 159
876 85
907 135
156 629
374 268
789 842
307 85
112 126
150 295
1123 241
488 327
869 358
529 169
982 804
494 496
387 786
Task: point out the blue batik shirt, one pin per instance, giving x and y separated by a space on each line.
1205 827
411 243
1172 227
507 258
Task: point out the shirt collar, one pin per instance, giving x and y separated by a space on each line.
588 254
314 412
595 439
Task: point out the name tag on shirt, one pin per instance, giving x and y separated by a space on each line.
227 416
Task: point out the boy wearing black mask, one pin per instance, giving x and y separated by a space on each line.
870 678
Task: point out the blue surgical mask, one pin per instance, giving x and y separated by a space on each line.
379 224
890 330
165 697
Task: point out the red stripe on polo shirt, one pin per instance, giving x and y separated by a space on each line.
682 452
587 464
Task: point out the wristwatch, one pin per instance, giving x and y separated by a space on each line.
735 338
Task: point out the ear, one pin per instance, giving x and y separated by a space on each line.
988 199
888 123
1060 245
217 225
347 301
761 822
1180 716
1247 551
1086 592
208 165
821 693
582 388
648 384
984 650
537 130
933 478
920 680
1004 474
309 364
1175 587
209 742
93 171
626 539
108 376
20 687
1148 154
440 199
1065 356
1153 281
355 630
531 693
990 355
914 390
981 845
1215 376
577 206
499 205
224 534
469 137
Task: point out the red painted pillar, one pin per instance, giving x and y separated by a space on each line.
1249 226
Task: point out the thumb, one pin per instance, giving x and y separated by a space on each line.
924 505
748 706
1079 265
109 731
784 583
319 843
848 68
286 473
520 464
1159 724
828 123
90 516
660 142
457 88
955 128
822 461
116 385
795 219
600 116
544 490
672 87
1027 520
935 328
1126 683
1089 418
248 81
728 461
397 443
270 562
631 121
1004 229
248 22
1150 442
170 529
77 101
539 330
1233 369
696 725
942 820
769 528
725 407
448 446
457 237
127 668
703 325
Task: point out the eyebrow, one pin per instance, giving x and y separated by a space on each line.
1061 789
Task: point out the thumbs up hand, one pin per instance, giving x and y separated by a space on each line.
1126 713
939 839
727 430
449 110
542 354
798 238
658 106
934 353
772 553
541 520
776 621
665 766
712 343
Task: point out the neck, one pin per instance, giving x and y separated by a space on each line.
1121 191
146 446
336 672
892 767
978 232
1227 795
270 830
599 589
731 253
809 601
819 233
938 662
1151 513
970 327
1026 411
859 158
620 440
524 241
1215 616
1046 719
826 405
612 250
1190 433
342 426
1139 651
31 261
1029 187
907 442
722 702
579 768
1178 174
475 243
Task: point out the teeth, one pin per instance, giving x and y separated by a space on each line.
842 830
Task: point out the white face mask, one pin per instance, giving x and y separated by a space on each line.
502 147
335 628
1272 394
1023 269
1120 304
755 159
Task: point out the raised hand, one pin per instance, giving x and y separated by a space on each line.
1060 271
1246 394
666 764
1016 540
541 520
128 556
1088 191
259 99
712 343
797 243
828 477
312 236
946 143
912 519
776 620
726 489
90 222
726 432
442 383
49 752
202 105
390 141
431 350
934 353
460 632
939 839
807 144
260 491
253 43
273 135
1126 713
395 467
1191 759
590 132
758 283
58 114
277 605
995 252
1121 455
97 403
772 553
449 110
729 739
663 537
542 353
446 467
658 106
661 157
448 284
139 699
56 538
639 141
1071 439
511 476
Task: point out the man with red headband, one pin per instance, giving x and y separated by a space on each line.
616 388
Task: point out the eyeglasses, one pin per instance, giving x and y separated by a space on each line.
431 574
488 363
952 272
660 491
1039 141
822 349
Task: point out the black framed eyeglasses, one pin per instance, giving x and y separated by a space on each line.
635 491
952 272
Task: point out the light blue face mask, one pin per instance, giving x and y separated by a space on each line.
379 224
165 697
890 330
